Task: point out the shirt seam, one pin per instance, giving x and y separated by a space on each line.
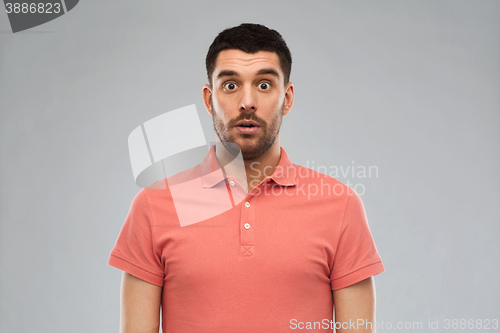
135 265
356 269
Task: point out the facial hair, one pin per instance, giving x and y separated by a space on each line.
250 148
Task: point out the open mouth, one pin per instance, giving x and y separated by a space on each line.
247 124
247 127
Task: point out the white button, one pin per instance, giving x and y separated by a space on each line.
247 204
231 183
247 226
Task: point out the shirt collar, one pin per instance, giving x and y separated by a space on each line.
284 174
212 174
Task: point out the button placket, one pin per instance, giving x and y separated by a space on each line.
247 227
237 191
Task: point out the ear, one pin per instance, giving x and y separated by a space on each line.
289 93
207 98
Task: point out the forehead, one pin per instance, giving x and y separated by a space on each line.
240 61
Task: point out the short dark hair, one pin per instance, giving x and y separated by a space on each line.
250 38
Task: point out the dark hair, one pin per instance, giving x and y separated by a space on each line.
250 38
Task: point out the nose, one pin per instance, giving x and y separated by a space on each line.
248 101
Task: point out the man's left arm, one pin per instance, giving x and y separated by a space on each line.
355 307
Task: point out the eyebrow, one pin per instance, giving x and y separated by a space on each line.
261 72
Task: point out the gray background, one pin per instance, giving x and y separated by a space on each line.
411 87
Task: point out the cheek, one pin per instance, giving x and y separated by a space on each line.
273 103
219 106
273 109
220 109
223 106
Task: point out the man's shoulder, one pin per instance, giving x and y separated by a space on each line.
310 177
184 176
305 173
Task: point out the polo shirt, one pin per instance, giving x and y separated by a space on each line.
268 261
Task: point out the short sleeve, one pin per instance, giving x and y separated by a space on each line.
356 257
134 250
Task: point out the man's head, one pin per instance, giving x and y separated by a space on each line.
250 38
248 69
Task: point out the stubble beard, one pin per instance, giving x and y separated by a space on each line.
249 148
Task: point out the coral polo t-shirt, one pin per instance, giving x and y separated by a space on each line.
265 264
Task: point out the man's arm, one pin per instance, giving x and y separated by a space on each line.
353 303
140 305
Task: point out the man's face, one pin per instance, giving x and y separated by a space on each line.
248 100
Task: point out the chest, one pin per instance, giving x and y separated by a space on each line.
257 242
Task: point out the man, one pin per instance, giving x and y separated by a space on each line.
295 248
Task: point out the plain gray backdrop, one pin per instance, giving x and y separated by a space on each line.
411 87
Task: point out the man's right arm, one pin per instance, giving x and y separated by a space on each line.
139 306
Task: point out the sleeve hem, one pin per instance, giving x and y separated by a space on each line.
136 271
357 275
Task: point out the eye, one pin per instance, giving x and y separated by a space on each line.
264 85
229 85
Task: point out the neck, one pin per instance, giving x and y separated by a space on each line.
263 166
250 173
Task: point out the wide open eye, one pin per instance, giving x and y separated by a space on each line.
230 86
264 85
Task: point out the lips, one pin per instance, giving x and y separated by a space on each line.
247 123
247 127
